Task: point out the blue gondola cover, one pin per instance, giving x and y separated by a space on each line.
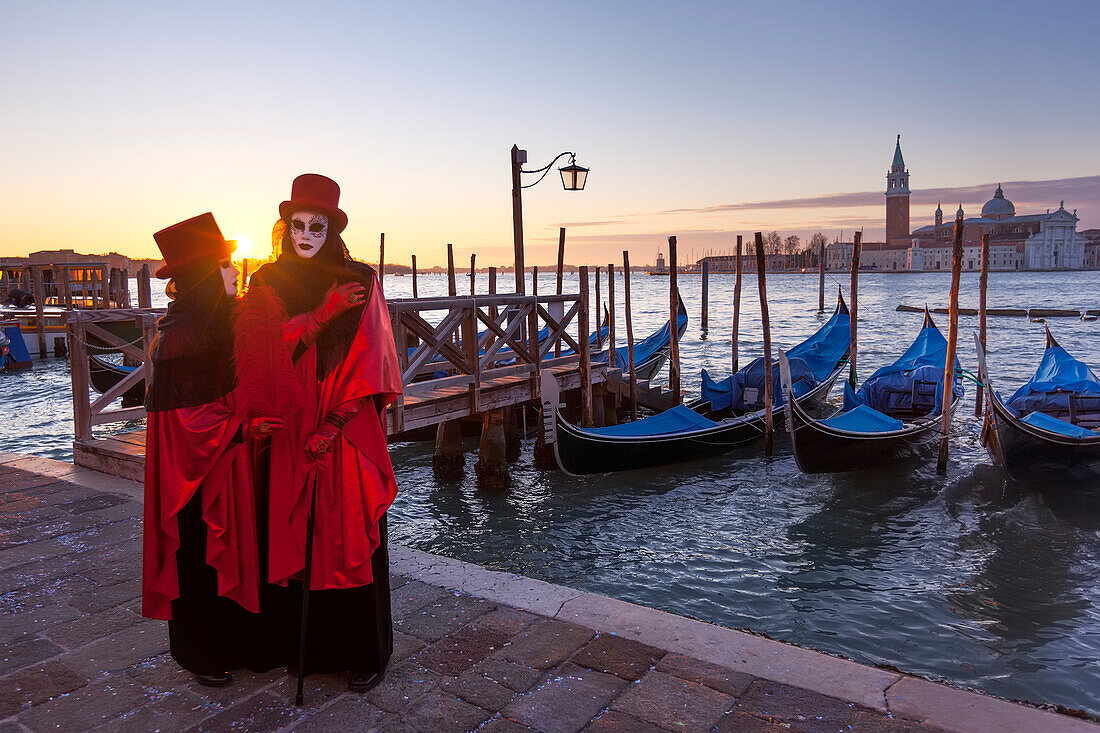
678 419
812 361
1059 375
864 419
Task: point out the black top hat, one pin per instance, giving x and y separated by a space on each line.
191 242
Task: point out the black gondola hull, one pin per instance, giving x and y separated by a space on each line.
581 452
1029 454
105 375
819 448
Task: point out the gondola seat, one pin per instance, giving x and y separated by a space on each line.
1054 425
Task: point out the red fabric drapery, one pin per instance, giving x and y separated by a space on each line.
354 484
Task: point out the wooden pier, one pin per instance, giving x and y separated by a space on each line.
462 357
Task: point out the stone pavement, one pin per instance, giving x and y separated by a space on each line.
474 650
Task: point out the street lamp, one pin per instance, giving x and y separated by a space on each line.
573 178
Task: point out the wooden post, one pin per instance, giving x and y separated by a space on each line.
853 306
473 274
492 291
821 277
124 285
452 288
599 312
66 288
145 288
983 285
610 316
414 275
381 256
761 267
78 366
674 343
952 338
39 321
705 274
630 337
736 300
585 355
535 280
561 257
517 213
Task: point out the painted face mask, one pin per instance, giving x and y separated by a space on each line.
229 275
308 231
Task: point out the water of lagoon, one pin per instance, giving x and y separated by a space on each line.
961 577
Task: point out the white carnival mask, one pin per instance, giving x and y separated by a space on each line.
308 232
229 273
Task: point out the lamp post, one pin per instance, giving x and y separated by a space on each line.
573 178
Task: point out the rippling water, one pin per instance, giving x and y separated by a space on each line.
960 577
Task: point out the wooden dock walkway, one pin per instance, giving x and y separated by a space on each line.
465 356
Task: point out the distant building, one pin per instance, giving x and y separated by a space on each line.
1047 241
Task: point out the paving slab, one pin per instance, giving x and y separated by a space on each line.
566 700
474 649
673 703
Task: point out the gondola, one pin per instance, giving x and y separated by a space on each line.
651 353
699 429
1047 430
105 375
892 415
14 356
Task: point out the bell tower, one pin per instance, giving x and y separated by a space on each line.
897 198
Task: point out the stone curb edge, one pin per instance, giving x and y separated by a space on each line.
914 698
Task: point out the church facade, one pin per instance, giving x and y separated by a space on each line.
1039 241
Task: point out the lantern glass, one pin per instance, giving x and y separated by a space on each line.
573 177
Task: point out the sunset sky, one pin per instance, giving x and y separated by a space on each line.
702 120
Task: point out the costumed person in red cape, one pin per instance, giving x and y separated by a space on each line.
201 569
333 462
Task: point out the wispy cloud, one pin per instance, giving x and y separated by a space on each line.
1082 192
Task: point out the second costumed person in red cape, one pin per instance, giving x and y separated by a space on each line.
334 460
202 538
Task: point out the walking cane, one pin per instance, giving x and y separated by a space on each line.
299 697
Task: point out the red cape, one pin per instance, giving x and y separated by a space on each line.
187 450
354 484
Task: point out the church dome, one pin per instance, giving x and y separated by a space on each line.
998 207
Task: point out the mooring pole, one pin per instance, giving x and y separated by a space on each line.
853 307
414 275
821 277
473 272
952 338
561 258
674 311
381 256
585 355
983 284
610 316
535 280
736 300
599 312
706 292
630 337
761 267
452 286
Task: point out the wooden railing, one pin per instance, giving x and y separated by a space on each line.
83 325
449 355
452 355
